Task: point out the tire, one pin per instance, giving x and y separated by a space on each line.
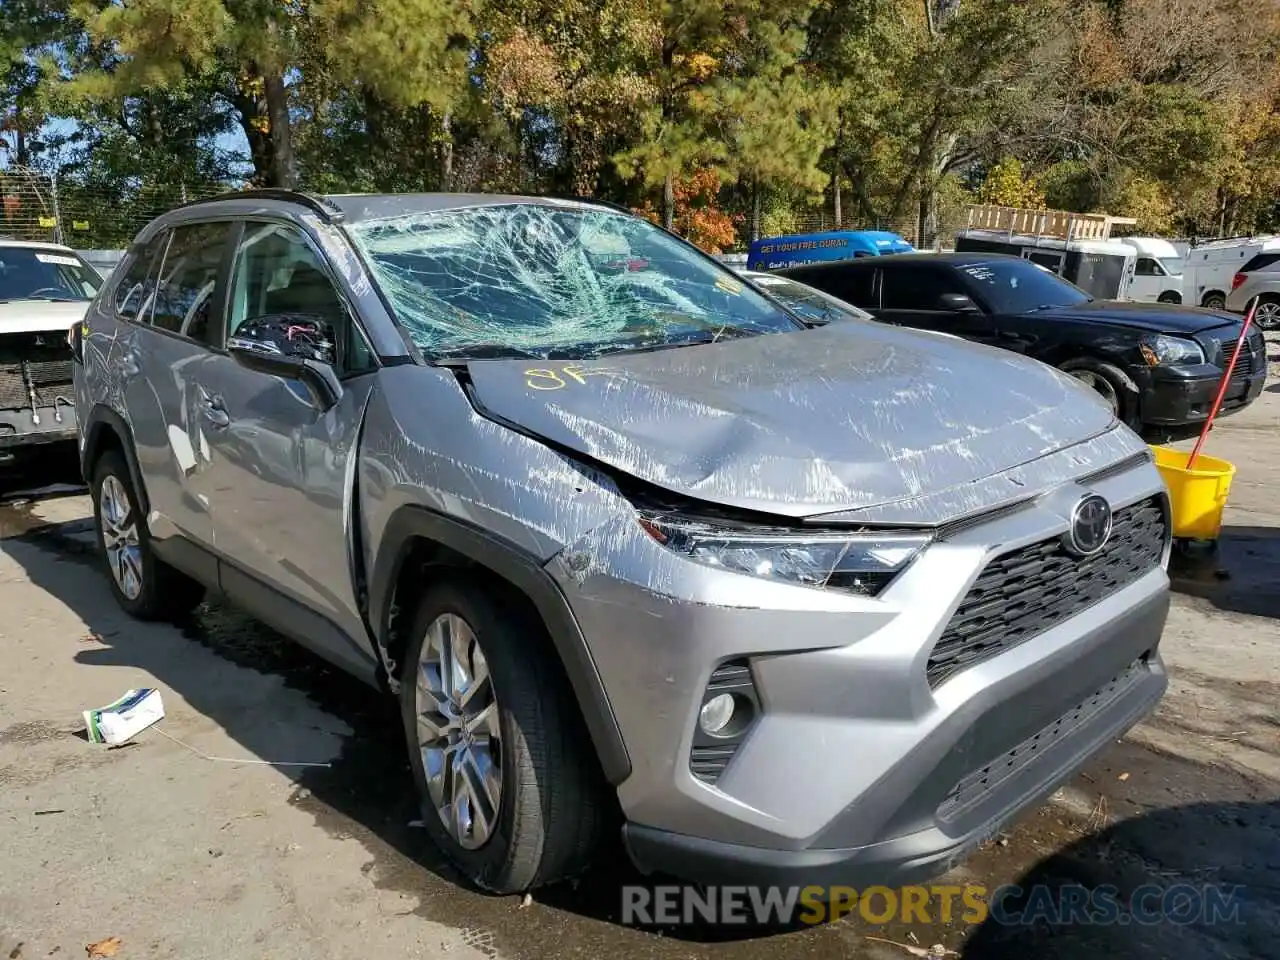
150 589
1169 297
1213 300
550 812
1267 314
1111 383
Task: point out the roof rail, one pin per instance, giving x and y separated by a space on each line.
599 203
315 202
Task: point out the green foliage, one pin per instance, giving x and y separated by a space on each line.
1006 185
715 115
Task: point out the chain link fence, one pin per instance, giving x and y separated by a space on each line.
36 205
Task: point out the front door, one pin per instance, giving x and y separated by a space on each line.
915 295
282 471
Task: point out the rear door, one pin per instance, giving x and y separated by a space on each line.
163 339
912 295
281 470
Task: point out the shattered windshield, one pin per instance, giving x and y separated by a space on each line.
544 280
39 273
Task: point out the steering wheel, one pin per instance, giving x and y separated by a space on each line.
56 291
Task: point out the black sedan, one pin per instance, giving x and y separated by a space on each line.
1158 365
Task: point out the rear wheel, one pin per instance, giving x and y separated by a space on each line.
509 792
1267 314
1214 300
145 586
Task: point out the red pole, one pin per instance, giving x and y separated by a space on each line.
1226 380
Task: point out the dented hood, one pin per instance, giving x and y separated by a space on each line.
819 421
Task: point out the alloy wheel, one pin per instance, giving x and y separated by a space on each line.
458 731
120 537
1267 315
1100 385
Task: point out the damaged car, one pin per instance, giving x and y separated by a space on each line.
44 289
635 548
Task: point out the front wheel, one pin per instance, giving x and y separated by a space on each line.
509 792
1111 384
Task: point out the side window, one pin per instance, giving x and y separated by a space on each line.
917 288
852 285
184 301
136 287
1147 268
282 300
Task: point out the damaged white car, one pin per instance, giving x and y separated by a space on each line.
44 290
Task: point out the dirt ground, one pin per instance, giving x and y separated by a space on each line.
185 844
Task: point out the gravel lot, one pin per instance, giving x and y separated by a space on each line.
184 856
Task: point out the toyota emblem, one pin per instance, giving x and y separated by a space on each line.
1090 526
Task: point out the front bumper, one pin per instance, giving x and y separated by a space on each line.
19 429
856 762
1177 402
980 803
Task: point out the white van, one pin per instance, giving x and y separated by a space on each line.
1211 266
1158 272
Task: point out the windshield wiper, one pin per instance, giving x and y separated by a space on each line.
459 356
650 346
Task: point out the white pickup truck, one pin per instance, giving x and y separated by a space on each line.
44 290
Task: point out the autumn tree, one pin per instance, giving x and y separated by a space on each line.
1007 185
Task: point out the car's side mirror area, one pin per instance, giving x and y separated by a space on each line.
957 303
75 340
292 345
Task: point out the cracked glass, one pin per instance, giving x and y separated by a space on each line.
540 280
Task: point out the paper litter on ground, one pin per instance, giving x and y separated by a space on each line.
119 721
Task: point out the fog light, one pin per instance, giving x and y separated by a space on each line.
716 713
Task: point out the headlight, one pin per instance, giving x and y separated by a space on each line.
860 563
1160 350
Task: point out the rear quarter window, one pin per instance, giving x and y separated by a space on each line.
134 291
1262 261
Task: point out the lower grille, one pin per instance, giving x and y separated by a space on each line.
974 788
33 362
1024 593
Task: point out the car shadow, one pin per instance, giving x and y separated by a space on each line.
1237 572
360 785
276 700
1200 880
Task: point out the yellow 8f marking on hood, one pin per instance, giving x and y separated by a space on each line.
544 378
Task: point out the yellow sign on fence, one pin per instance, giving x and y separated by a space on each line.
49 222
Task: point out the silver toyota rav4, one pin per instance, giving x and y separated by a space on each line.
623 535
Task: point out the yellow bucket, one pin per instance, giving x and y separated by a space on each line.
1196 496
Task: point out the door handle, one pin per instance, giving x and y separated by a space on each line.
129 363
211 409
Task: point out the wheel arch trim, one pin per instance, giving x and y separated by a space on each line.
411 524
101 421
